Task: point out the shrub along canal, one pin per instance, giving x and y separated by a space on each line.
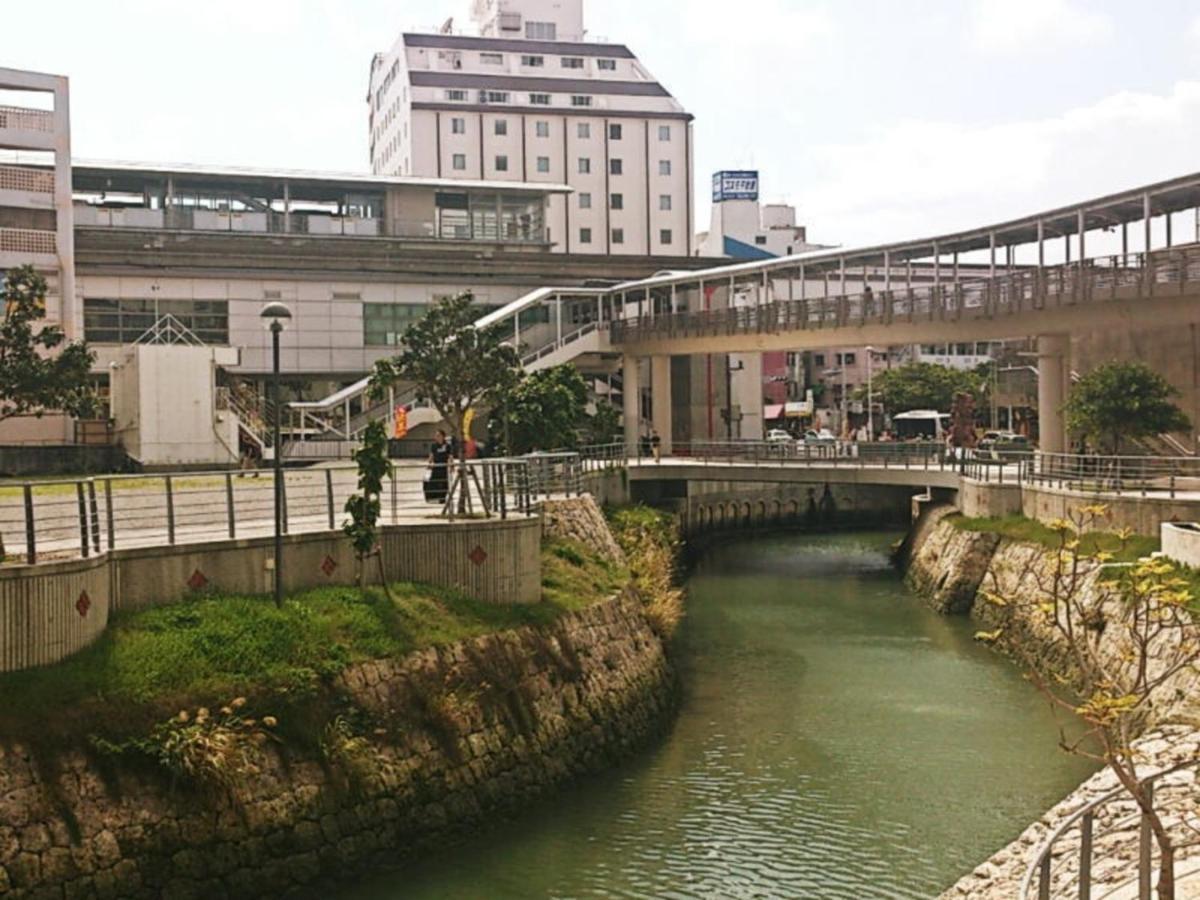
836 739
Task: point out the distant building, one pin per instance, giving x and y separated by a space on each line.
528 99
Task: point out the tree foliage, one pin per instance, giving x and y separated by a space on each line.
1123 400
454 365
921 385
1125 633
544 411
40 370
604 425
364 507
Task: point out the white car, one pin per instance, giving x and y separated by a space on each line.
778 436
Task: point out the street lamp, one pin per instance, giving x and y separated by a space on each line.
277 314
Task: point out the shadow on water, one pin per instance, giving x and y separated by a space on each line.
836 739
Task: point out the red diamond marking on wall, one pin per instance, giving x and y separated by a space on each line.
83 604
478 555
328 565
197 581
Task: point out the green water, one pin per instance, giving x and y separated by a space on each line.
836 739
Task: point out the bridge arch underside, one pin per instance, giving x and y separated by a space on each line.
823 500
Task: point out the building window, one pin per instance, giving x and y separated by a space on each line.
458 126
664 132
543 164
664 236
581 100
585 235
572 62
585 165
541 31
492 59
606 65
819 359
501 126
533 62
583 130
502 163
664 167
760 240
539 99
456 95
542 129
459 162
614 132
845 359
618 235
664 202
617 201
614 167
585 201
493 96
384 324
124 321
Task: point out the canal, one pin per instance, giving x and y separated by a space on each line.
836 740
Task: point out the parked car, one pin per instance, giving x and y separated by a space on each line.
1004 445
819 437
778 436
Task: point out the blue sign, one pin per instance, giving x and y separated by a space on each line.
739 185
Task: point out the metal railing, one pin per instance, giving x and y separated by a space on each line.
1140 475
1154 274
1040 874
900 455
43 520
602 457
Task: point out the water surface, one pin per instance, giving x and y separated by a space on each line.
836 739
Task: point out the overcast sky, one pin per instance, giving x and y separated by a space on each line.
878 119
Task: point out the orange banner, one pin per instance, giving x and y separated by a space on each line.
401 427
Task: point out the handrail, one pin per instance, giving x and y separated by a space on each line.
1040 866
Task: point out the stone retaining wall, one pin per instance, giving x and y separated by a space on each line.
445 740
579 519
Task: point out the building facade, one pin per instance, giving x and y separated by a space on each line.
528 99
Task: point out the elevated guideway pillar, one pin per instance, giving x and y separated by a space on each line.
631 391
660 400
1054 367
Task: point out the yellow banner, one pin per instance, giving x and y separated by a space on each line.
401 419
468 418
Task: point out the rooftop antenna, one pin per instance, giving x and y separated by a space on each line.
447 26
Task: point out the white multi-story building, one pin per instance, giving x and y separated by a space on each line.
529 100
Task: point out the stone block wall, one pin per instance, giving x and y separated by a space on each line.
579 519
451 737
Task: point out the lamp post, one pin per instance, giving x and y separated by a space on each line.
277 314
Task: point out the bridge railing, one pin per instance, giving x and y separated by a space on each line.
1059 872
903 455
1025 289
1140 475
44 520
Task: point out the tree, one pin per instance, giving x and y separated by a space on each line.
1123 400
40 371
1125 633
543 411
921 385
453 365
604 425
364 508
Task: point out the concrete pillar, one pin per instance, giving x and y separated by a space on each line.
631 399
660 400
1054 366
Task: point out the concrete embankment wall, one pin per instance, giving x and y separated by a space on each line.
53 609
445 740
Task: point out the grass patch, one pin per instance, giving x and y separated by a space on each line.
206 651
1030 530
650 540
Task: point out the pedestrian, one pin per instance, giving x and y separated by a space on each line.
868 299
656 445
437 484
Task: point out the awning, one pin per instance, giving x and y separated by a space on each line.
773 411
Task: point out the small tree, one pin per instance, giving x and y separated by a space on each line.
1123 400
364 508
454 365
921 385
40 371
544 410
1123 632
604 425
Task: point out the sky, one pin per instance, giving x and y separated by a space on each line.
879 120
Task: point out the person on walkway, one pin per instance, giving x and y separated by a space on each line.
656 445
440 455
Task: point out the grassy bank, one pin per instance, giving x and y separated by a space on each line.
1020 528
208 650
